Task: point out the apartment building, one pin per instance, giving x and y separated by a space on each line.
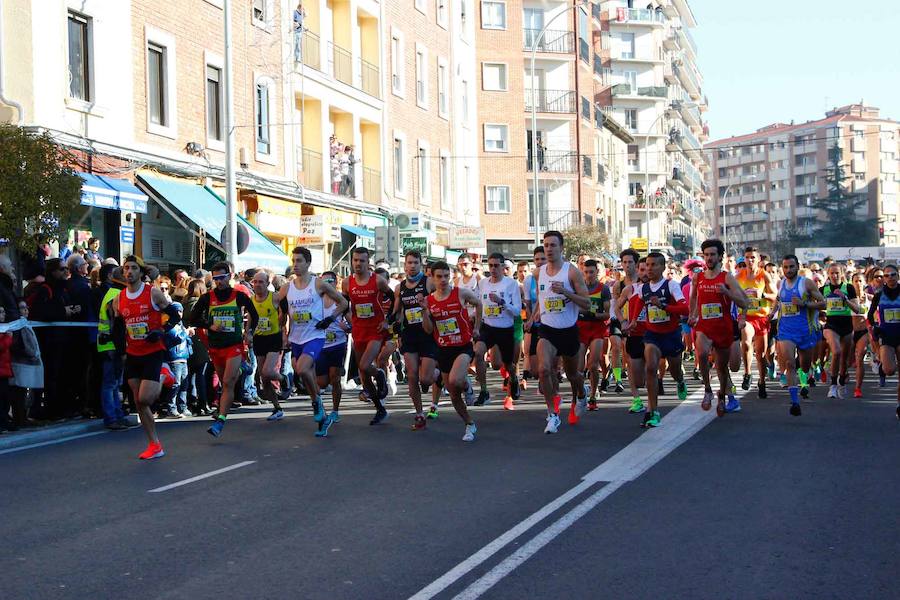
656 92
763 181
556 159
430 122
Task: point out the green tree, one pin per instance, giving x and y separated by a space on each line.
843 226
789 240
584 239
39 196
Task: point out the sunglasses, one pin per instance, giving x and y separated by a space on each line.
164 288
889 275
222 276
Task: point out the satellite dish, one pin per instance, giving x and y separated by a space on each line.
243 237
402 221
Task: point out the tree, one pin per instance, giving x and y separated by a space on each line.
843 226
584 239
39 196
791 238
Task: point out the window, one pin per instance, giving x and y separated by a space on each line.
421 76
444 164
495 138
399 170
859 176
493 15
585 108
541 209
493 77
157 98
80 58
442 12
496 199
626 45
464 101
631 119
215 128
397 64
443 86
263 143
422 171
260 13
630 78
634 161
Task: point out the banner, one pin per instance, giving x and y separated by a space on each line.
463 238
312 230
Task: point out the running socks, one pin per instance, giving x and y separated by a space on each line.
804 378
617 374
795 394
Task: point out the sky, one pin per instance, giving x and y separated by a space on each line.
773 61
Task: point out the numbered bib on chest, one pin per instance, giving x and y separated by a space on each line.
448 327
789 309
755 303
892 315
413 315
492 311
225 323
263 325
138 331
365 311
833 303
554 305
657 315
711 311
330 336
303 316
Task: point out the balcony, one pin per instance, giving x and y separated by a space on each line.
642 16
653 92
604 73
310 50
553 42
341 65
690 113
687 41
688 80
370 78
311 167
670 41
560 220
371 185
550 101
554 161
584 51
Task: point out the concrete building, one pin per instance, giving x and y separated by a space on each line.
762 181
656 92
577 149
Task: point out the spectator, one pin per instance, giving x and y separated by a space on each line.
164 284
180 283
336 173
25 352
65 250
92 252
7 289
111 349
298 17
82 375
199 371
5 373
178 344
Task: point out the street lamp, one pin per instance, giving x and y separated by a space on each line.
534 166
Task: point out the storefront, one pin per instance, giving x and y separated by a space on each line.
111 207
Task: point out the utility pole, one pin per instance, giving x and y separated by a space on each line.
231 250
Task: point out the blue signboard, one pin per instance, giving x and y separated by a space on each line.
126 234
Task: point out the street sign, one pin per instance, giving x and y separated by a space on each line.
463 238
417 244
640 244
312 230
126 234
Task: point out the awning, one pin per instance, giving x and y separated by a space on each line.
358 231
111 193
206 210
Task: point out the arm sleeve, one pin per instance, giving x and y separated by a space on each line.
873 308
681 306
244 302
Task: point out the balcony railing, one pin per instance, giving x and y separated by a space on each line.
341 64
550 101
310 52
584 50
371 185
370 78
688 78
560 220
625 89
553 161
689 38
586 166
644 15
554 41
603 72
312 169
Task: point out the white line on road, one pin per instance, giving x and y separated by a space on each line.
51 442
166 488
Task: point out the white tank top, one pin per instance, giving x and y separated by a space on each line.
334 335
472 284
556 310
491 313
305 309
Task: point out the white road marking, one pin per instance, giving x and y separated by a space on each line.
51 442
166 488
679 425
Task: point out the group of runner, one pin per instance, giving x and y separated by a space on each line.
596 328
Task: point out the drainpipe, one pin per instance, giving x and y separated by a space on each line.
577 113
19 110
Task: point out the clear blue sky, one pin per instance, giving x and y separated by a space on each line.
769 61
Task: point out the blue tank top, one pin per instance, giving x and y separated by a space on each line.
794 320
889 314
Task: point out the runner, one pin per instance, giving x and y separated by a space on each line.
634 326
501 302
561 293
418 347
221 312
369 325
308 322
532 325
860 332
268 339
141 308
384 360
467 278
798 301
886 304
754 321
712 294
444 316
593 332
629 263
840 300
330 364
665 304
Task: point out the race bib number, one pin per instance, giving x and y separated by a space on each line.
892 315
554 305
302 317
448 327
365 311
755 303
657 315
789 309
492 311
711 311
330 336
413 315
263 324
224 323
832 304
138 331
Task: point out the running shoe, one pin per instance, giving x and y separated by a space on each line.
619 387
523 384
696 375
419 423
364 397
882 381
734 405
508 403
795 409
470 392
637 406
580 407
592 404
484 397
154 450
469 435
324 426
557 400
604 384
783 380
745 384
432 412
514 387
811 382
761 390
857 393
842 392
318 409
682 390
647 416
381 387
654 419
770 370
706 404
875 366
392 386
552 424
804 392
276 415
720 407
661 391
335 416
832 391
379 417
216 428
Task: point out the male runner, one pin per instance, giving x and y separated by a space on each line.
634 326
141 308
532 326
712 295
754 321
561 293
221 312
467 277
501 302
593 331
268 339
444 316
665 305
840 306
385 359
798 302
418 347
886 303
308 322
330 364
367 318
629 261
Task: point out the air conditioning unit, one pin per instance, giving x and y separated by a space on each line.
409 221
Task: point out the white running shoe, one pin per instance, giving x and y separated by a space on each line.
552 424
470 392
469 436
833 391
580 406
842 392
875 365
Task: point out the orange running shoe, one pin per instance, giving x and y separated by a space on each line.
508 403
557 400
154 450
573 418
857 393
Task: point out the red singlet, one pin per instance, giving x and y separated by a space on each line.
451 320
714 310
140 319
367 313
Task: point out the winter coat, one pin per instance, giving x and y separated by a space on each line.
178 343
8 297
6 340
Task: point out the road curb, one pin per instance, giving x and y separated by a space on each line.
48 434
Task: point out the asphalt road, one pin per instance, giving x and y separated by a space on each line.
754 505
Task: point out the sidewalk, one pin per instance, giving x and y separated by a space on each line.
50 433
